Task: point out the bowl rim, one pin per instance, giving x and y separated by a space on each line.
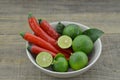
71 72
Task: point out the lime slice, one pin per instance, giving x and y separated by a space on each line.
64 42
44 59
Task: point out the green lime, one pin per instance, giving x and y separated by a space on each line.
64 42
72 30
60 64
44 59
59 55
82 43
78 60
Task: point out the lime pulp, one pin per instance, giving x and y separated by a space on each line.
64 42
44 59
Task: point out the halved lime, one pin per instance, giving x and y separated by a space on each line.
64 42
44 59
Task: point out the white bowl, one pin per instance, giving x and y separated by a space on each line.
94 56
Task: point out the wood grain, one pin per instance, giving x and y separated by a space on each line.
13 59
101 14
109 23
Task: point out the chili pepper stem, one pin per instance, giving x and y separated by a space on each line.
30 15
39 20
29 47
22 34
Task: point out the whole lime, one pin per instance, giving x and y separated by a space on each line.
58 55
72 30
60 64
78 60
82 43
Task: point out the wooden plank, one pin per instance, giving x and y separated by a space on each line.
109 23
63 6
13 59
102 14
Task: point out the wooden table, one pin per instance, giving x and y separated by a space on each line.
101 14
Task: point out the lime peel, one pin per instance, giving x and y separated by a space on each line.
78 60
59 55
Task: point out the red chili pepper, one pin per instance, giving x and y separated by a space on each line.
48 28
35 50
51 32
38 30
38 41
67 51
43 34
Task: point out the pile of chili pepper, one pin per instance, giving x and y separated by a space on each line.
44 38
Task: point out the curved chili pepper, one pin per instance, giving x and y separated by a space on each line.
43 34
38 41
37 30
36 50
49 29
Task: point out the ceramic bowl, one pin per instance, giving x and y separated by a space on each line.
93 57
